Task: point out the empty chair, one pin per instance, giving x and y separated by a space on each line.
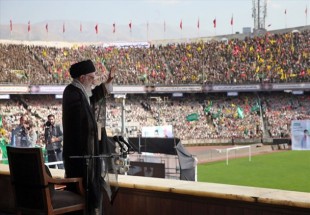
33 187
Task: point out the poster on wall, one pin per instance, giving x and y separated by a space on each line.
300 133
157 131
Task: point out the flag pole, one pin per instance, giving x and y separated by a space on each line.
11 28
306 11
198 26
28 29
113 31
232 24
46 29
63 31
164 30
181 27
130 26
147 31
285 19
130 35
214 25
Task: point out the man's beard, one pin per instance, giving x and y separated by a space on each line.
88 91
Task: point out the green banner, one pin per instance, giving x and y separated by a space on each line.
192 117
3 145
255 107
208 108
240 112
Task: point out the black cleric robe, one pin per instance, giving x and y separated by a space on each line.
80 138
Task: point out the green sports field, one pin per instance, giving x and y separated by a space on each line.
287 170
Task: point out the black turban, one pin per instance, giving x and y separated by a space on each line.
82 68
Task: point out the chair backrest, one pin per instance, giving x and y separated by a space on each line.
28 179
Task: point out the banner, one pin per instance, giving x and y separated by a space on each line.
157 131
240 112
192 117
300 134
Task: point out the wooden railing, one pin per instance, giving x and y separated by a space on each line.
142 195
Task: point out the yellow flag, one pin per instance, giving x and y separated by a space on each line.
44 53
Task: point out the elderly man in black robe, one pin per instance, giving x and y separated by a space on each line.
80 132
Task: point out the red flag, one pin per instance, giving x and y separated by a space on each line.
28 26
96 28
232 20
11 25
198 24
130 25
214 23
46 28
63 28
114 28
181 24
81 27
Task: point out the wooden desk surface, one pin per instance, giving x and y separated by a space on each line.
223 191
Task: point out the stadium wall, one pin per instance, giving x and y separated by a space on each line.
235 141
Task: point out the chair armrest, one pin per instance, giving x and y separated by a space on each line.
78 181
64 180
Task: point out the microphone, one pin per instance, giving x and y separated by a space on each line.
121 138
116 139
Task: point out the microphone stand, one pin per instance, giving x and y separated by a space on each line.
87 159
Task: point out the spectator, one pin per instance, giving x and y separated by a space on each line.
53 141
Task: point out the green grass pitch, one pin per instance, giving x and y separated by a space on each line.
287 170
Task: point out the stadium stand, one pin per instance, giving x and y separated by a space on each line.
272 58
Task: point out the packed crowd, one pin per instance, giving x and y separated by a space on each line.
218 116
270 58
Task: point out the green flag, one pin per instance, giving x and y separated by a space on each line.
217 114
255 107
192 117
240 112
208 108
3 145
